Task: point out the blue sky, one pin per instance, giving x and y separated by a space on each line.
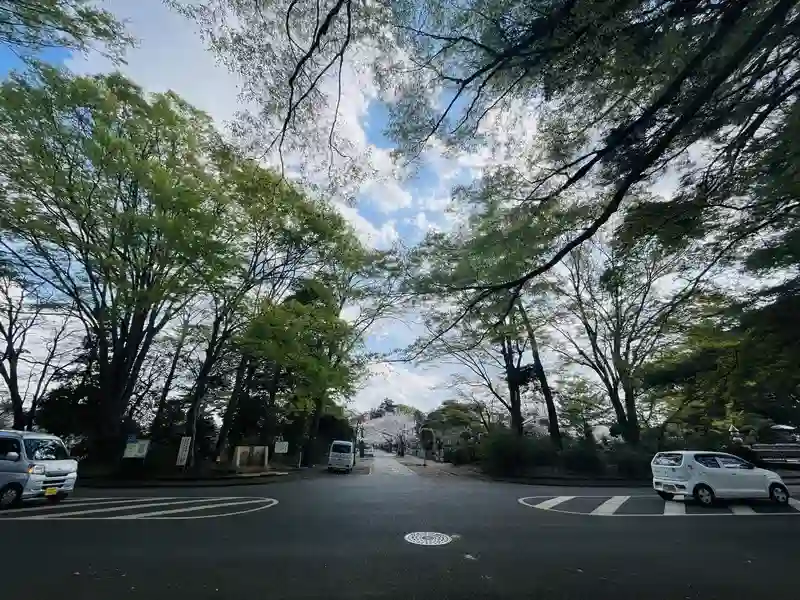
10 61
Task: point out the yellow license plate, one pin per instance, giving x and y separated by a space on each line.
51 491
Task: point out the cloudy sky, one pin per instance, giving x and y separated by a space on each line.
171 56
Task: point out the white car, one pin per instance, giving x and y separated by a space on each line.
709 476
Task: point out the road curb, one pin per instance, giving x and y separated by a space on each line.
165 483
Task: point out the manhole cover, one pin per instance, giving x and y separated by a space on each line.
428 538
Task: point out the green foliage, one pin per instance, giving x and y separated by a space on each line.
69 24
629 462
583 457
504 453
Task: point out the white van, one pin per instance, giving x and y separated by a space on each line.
34 465
342 456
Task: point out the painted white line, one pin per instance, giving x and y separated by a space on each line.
794 503
44 507
742 509
525 502
175 511
548 504
610 506
674 508
117 508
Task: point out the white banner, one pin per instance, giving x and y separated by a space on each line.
183 451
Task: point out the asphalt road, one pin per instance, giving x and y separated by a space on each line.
343 536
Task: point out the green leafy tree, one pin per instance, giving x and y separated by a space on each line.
33 25
111 199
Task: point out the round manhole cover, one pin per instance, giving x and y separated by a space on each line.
428 538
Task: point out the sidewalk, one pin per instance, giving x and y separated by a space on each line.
440 468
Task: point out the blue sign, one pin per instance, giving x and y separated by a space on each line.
132 438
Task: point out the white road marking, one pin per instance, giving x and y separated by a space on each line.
548 504
674 508
175 511
670 508
113 509
76 504
742 509
610 506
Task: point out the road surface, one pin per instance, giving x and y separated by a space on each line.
346 536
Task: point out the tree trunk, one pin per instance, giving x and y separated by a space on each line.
313 430
515 398
162 401
233 404
633 433
11 379
541 377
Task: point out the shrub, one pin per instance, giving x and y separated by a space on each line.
583 457
629 461
505 453
460 455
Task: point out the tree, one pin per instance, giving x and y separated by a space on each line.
67 24
615 312
276 235
583 407
622 89
110 199
25 309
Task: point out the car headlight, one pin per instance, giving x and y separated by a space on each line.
36 470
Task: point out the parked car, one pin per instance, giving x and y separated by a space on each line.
342 456
369 452
34 465
708 476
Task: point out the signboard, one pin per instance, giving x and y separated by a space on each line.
281 447
131 438
137 449
183 451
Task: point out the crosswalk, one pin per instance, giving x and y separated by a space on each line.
651 505
153 507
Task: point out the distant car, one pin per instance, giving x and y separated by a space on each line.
34 465
369 451
342 456
708 476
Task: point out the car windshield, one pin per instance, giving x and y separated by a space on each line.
340 448
668 460
45 449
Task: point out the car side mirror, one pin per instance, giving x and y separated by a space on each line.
12 456
749 466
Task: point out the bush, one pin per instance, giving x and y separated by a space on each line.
629 461
505 453
583 457
460 455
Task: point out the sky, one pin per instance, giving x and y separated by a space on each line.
170 55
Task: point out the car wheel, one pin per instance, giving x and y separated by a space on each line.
10 495
779 494
704 495
666 495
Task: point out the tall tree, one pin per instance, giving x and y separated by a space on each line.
616 311
111 199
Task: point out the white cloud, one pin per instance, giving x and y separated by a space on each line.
388 196
368 233
423 390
